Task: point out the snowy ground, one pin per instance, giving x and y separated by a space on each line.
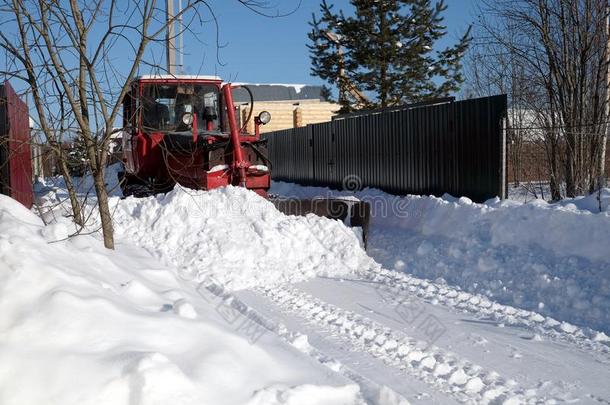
218 298
541 190
549 258
80 325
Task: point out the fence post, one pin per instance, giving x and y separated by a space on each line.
297 117
503 158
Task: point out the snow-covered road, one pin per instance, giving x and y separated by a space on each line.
428 352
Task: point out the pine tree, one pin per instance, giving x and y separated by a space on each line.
386 51
328 62
76 158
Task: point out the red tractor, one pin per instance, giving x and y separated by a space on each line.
184 130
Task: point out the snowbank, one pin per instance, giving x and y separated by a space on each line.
560 229
525 193
550 258
82 325
238 238
589 203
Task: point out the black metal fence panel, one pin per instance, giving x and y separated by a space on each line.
443 147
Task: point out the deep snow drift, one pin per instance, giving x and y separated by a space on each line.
82 325
237 238
550 258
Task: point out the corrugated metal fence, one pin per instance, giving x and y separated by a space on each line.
443 147
15 153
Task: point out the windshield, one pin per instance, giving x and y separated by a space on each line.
163 106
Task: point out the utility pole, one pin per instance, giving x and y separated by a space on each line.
170 38
602 155
345 86
180 38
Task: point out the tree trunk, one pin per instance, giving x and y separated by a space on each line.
76 211
102 203
601 183
554 183
383 89
569 166
601 164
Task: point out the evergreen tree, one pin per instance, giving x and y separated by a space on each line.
386 51
76 158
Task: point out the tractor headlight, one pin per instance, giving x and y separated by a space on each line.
264 117
187 119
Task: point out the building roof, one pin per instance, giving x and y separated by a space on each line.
277 92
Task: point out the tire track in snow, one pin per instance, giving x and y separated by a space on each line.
372 391
444 371
395 286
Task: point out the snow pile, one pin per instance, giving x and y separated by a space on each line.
82 325
237 238
561 230
589 203
549 258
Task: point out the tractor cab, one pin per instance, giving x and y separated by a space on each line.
184 130
173 108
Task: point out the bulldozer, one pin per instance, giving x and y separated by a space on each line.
181 129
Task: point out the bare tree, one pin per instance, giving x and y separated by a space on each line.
560 48
64 51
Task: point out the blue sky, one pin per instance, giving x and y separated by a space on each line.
273 50
255 48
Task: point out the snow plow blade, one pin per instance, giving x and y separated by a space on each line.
353 213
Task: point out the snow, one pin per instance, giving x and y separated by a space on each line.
216 297
306 395
345 317
53 189
237 238
177 77
517 254
297 87
218 168
534 192
83 325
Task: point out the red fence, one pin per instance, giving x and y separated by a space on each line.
15 151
